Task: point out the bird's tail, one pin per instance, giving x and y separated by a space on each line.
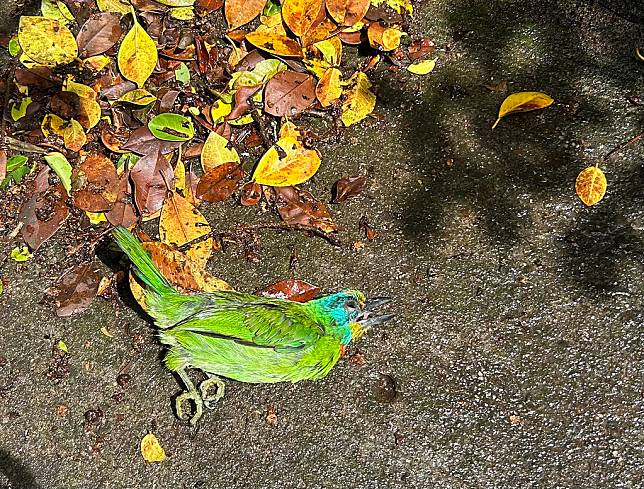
144 269
164 303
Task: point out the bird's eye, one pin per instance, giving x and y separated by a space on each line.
352 304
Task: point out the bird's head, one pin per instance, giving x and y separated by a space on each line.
353 313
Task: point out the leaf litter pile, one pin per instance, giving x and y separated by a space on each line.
119 112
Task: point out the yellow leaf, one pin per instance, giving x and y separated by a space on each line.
138 96
387 38
74 136
47 41
19 111
359 102
182 13
106 332
180 176
328 89
90 111
296 166
591 185
299 15
219 110
523 102
96 218
53 122
96 63
331 50
181 223
151 449
119 6
422 67
180 270
275 43
137 55
215 152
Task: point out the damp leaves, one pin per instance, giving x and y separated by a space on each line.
590 185
137 55
523 102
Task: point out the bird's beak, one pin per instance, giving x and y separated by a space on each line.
375 302
368 319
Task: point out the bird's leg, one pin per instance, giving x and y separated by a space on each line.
210 400
190 394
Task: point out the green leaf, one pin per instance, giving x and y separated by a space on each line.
62 168
54 9
18 112
127 161
20 255
17 169
272 8
171 127
62 346
14 46
182 74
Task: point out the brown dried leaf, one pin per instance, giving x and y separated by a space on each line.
123 212
76 290
152 176
95 184
348 187
291 289
240 12
99 33
44 212
347 12
289 93
300 15
298 206
180 270
251 193
220 182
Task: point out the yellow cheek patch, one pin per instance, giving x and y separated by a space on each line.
356 331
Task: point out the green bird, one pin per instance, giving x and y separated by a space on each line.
246 337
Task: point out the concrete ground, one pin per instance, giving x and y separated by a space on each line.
515 360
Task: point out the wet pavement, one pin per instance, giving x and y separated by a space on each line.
515 360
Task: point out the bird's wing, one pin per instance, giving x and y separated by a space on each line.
253 320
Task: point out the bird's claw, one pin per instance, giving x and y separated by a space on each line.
210 400
196 398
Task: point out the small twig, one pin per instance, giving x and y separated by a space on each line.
278 226
621 146
259 121
22 147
